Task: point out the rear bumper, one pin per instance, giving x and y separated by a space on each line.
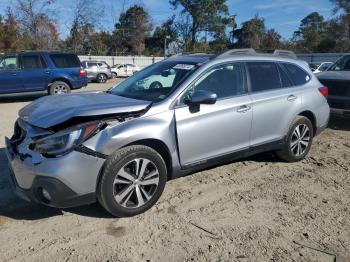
340 112
67 187
82 82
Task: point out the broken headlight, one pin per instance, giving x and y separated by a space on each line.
65 141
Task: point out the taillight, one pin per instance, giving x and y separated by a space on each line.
324 91
82 72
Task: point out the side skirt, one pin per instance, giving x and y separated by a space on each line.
228 158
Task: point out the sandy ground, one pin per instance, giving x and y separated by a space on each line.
257 209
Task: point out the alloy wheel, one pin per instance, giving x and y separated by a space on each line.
300 140
60 89
136 183
102 78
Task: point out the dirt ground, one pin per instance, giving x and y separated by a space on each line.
257 209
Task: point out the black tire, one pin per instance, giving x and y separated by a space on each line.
292 155
101 78
59 87
115 75
156 85
106 190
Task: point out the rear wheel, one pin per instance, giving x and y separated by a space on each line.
101 78
59 87
132 182
299 140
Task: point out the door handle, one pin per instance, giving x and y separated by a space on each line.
243 109
291 98
47 72
14 74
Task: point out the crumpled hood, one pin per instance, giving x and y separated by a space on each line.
333 75
53 110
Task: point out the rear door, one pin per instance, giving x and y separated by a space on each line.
219 129
275 101
35 73
10 75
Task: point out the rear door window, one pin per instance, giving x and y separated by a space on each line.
298 75
30 62
263 76
92 65
285 80
65 60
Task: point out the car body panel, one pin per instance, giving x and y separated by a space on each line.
199 137
338 84
66 107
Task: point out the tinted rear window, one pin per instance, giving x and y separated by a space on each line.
32 62
298 75
264 76
65 60
285 80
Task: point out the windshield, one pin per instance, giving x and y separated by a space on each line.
155 82
343 64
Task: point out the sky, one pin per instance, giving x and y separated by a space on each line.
283 15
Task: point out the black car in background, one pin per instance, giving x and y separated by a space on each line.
337 79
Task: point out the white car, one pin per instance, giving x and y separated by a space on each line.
124 70
158 81
323 67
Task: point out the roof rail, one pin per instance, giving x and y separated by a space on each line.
246 51
285 53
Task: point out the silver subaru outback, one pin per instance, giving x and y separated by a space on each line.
120 147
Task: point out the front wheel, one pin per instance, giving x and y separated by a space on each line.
132 181
299 140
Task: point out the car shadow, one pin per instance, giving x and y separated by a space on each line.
13 207
19 98
339 123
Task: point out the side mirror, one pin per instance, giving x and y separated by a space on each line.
165 73
203 97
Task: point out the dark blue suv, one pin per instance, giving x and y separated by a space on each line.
32 72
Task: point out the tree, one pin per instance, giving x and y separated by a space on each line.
311 33
342 7
204 15
9 35
35 23
133 28
251 34
86 17
164 34
272 40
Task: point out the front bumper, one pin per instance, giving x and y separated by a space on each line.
70 180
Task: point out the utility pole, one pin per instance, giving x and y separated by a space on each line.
165 44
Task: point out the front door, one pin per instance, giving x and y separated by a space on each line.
10 75
219 129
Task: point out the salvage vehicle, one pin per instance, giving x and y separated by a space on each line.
40 72
120 147
98 71
337 79
124 70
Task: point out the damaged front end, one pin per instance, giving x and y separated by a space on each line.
61 139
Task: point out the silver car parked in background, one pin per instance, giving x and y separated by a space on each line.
120 147
98 71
